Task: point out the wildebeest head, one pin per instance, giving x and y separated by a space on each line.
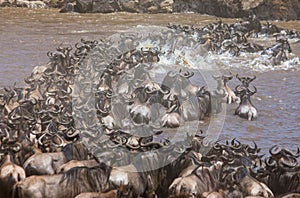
177 82
245 80
211 102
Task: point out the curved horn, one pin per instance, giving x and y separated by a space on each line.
238 77
237 90
109 93
290 162
40 139
236 144
275 150
203 89
270 162
62 142
230 76
179 150
106 111
253 78
73 134
216 77
252 150
50 54
172 74
252 92
188 74
291 153
17 147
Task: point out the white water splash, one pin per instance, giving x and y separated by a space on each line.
255 62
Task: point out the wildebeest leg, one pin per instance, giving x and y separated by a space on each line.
250 115
229 99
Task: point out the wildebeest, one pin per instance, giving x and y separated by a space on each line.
278 50
201 179
223 85
172 118
281 172
48 163
179 84
66 185
246 109
245 80
10 174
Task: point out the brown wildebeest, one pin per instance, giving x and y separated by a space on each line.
67 185
10 174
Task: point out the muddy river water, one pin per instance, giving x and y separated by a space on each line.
26 35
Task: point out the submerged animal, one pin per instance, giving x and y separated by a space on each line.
246 109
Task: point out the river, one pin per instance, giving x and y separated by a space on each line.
26 35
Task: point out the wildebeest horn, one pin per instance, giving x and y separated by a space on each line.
62 142
71 134
40 139
253 78
236 144
270 162
17 147
237 76
160 145
147 90
77 46
252 150
172 108
50 54
6 137
203 89
179 150
290 162
238 90
172 74
252 92
109 93
275 150
230 76
149 67
217 146
188 74
291 153
216 76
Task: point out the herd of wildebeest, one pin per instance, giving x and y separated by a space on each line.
42 153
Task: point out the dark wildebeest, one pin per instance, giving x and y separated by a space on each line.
278 50
246 109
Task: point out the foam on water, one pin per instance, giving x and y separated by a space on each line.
193 55
255 62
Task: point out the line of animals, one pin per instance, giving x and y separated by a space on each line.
139 100
42 154
229 170
221 37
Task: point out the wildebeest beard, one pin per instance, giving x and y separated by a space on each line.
85 179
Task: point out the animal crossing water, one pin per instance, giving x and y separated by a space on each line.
27 35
